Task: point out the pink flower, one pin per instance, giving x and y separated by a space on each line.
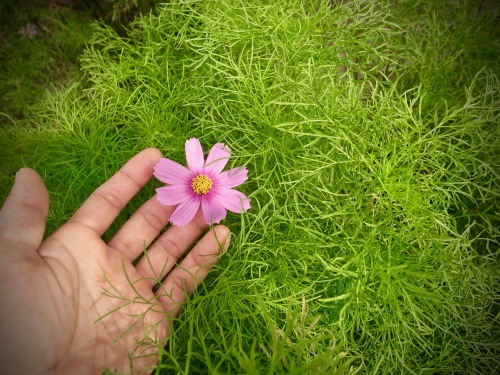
203 184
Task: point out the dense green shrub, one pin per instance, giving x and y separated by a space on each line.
371 132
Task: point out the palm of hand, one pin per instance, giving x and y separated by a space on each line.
75 304
111 300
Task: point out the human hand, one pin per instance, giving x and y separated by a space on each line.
74 304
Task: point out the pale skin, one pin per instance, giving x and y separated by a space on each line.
73 304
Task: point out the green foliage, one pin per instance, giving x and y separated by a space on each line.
371 132
39 49
122 10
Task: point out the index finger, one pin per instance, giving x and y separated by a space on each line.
106 202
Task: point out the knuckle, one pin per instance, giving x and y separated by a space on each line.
201 260
170 247
152 220
130 178
184 282
179 282
111 198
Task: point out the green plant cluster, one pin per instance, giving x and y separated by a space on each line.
371 133
39 49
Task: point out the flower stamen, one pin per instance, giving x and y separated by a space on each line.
201 184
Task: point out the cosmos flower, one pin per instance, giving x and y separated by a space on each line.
201 184
29 30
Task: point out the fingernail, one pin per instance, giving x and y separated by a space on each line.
18 176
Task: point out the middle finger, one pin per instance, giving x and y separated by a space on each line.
142 228
169 248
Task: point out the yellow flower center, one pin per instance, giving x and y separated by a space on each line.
201 184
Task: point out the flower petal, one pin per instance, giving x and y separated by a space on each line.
194 155
217 159
233 200
173 194
231 178
171 172
185 211
213 211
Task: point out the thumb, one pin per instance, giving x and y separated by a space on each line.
23 215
